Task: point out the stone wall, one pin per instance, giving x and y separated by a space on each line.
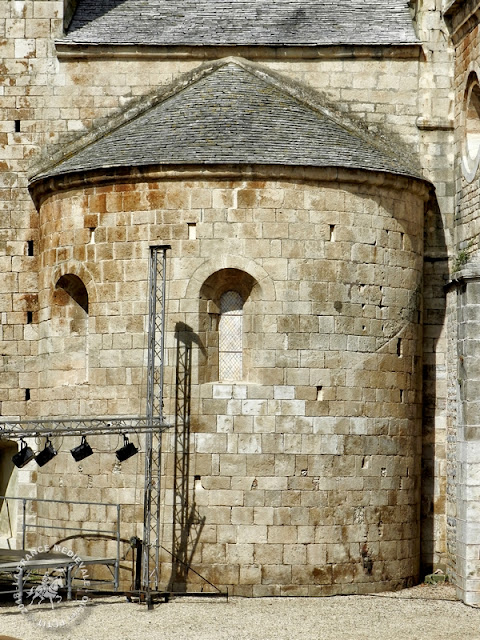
53 94
305 471
464 307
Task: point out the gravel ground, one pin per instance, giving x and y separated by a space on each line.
420 613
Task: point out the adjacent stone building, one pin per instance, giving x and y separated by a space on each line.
313 167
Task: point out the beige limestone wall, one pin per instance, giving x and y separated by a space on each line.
304 474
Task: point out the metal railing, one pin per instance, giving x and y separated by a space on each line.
111 533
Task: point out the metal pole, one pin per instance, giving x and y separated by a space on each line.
117 561
24 524
153 448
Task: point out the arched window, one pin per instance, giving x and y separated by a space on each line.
69 330
230 336
473 120
227 302
471 139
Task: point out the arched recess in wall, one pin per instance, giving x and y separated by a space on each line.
471 128
69 330
226 312
71 296
71 283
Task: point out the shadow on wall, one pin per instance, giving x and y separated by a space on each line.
434 501
73 289
187 523
70 304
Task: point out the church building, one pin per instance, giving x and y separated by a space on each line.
312 167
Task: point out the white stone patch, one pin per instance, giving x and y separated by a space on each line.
358 426
222 391
24 48
249 444
254 407
224 424
283 393
240 391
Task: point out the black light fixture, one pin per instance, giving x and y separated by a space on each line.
24 456
46 455
82 451
127 451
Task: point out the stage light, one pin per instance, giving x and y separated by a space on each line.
46 455
82 451
127 451
24 456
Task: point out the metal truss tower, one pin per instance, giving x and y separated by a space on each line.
153 444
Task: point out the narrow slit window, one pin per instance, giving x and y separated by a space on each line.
30 247
29 317
230 330
192 230
399 348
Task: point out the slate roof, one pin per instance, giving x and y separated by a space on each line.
241 22
233 115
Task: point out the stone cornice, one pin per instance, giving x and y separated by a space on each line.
79 51
41 189
439 124
469 272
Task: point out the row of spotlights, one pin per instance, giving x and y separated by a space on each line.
23 457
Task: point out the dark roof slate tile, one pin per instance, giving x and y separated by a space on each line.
242 22
233 116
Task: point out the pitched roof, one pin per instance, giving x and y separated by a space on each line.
234 114
241 22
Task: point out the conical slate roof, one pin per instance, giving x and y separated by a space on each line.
241 22
233 116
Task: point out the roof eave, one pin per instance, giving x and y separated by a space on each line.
391 49
43 185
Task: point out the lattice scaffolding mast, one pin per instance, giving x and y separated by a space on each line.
153 443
